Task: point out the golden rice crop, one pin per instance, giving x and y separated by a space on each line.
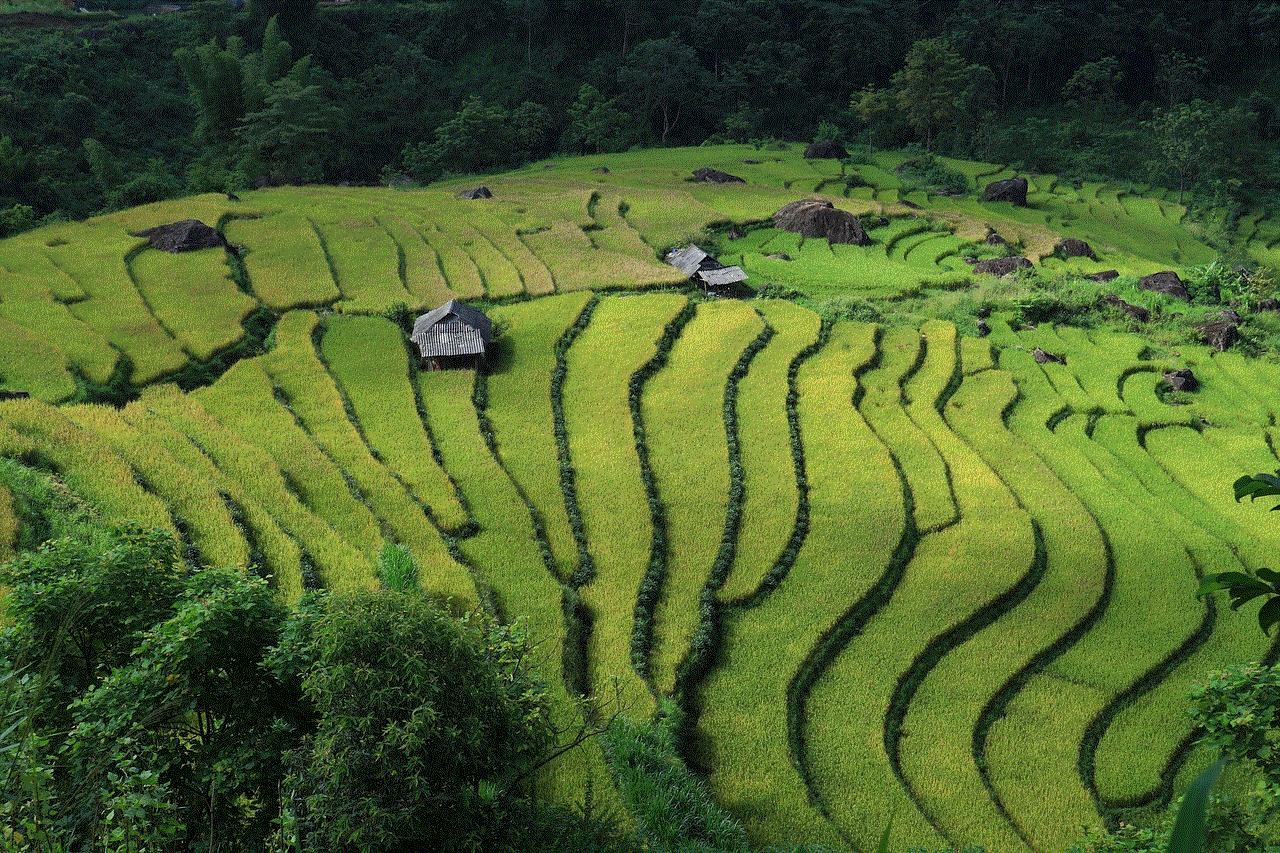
683 413
295 368
242 400
849 545
520 412
533 272
31 305
882 406
192 295
770 500
619 339
155 414
367 358
341 565
32 363
90 467
424 277
188 496
460 271
285 260
366 263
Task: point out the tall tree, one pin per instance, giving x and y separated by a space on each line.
929 86
663 77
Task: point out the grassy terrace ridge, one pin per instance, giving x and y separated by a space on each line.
884 565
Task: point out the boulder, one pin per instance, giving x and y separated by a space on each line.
779 256
1075 248
1137 312
14 395
1221 330
1001 266
826 149
188 235
1269 304
1041 357
1166 282
601 170
1013 190
715 176
816 218
1105 275
994 239
476 192
1182 380
984 328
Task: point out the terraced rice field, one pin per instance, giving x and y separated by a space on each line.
889 570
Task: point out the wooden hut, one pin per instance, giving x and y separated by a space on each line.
705 270
452 335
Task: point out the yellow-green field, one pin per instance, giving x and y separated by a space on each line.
889 569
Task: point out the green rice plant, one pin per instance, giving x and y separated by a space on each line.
501 276
520 388
94 255
192 295
277 554
616 234
684 427
1126 769
422 273
1151 567
367 358
30 304
295 368
8 524
533 273
190 498
611 495
881 398
459 270
770 502
285 260
33 364
365 262
209 208
339 532
1061 604
88 465
748 701
24 257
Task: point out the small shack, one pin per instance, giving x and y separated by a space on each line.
453 335
705 270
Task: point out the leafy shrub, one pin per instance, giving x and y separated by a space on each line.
926 172
672 809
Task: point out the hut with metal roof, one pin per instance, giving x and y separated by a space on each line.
704 269
453 335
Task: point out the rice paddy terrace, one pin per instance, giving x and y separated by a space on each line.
890 570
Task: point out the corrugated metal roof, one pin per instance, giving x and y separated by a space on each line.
688 259
465 314
449 338
722 276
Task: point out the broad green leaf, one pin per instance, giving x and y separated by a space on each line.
1189 828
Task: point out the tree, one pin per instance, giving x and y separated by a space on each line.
662 76
195 718
297 19
596 125
426 725
1094 82
478 137
929 86
289 136
1203 139
875 107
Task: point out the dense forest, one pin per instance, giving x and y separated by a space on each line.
122 106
